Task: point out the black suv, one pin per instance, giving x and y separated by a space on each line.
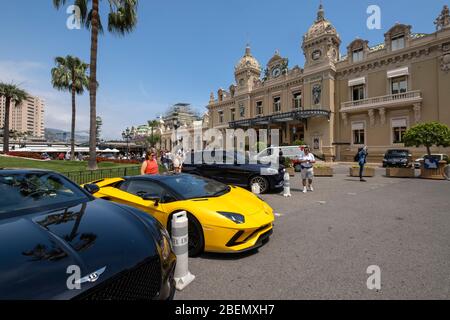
397 158
235 169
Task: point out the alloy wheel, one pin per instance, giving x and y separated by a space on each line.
262 182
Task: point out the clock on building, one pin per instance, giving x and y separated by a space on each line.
276 72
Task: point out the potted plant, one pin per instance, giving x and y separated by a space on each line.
428 135
323 171
368 171
289 165
299 143
400 172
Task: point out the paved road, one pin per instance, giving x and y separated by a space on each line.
324 241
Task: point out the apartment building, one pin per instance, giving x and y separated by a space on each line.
28 117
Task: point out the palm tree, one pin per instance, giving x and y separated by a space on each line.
70 75
153 140
122 19
12 94
152 124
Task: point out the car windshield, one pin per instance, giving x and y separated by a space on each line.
433 156
397 153
216 157
25 192
191 187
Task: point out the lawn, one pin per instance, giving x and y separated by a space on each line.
56 165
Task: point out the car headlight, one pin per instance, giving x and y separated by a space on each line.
235 217
165 244
404 160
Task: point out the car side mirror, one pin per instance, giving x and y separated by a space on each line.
91 188
152 197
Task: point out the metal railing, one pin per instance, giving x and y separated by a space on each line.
85 176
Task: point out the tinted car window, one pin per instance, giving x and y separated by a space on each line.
397 153
23 192
189 186
143 187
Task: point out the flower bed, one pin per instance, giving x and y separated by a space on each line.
29 155
323 171
368 171
434 174
400 172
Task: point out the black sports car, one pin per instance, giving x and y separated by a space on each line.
234 168
59 242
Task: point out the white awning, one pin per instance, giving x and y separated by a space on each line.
399 123
398 72
358 126
357 81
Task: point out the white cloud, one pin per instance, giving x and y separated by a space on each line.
34 77
20 72
117 114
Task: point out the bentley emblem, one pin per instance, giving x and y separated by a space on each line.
92 277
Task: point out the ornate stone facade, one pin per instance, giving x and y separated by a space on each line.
337 103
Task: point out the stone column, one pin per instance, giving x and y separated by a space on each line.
345 118
417 112
382 112
372 117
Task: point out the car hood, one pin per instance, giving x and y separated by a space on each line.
238 200
36 250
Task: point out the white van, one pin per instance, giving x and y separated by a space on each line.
291 152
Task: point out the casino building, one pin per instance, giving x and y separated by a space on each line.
338 102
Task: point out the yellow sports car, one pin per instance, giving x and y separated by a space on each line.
221 218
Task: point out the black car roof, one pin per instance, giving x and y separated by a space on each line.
22 170
398 150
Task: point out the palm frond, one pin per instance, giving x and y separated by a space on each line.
70 72
122 17
13 92
59 3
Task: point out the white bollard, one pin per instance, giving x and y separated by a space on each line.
286 185
181 248
256 189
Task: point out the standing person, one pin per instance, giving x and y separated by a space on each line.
362 159
178 162
150 165
307 162
281 158
165 159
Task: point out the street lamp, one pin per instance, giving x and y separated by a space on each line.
126 135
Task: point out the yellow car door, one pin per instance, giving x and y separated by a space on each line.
136 194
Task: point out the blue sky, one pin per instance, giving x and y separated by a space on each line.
181 50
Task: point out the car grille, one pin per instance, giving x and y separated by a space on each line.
142 282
